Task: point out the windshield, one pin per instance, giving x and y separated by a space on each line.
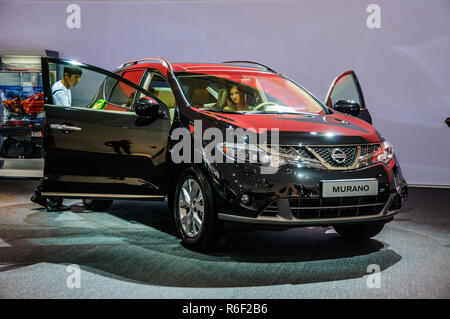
247 92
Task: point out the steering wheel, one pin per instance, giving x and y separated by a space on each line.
262 105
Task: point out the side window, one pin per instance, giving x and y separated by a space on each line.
158 86
84 85
201 91
89 88
345 88
117 96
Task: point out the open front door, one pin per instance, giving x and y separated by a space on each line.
346 88
95 143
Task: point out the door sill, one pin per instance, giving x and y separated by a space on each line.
104 196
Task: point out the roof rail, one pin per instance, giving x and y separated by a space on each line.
137 61
251 62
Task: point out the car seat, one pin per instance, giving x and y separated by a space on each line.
167 97
201 96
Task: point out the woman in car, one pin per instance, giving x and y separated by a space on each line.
237 99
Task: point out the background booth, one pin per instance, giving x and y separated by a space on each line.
22 116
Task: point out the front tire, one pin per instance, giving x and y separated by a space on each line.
194 211
359 232
98 205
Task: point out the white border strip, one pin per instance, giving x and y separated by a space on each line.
429 186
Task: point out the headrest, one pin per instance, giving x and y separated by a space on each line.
200 96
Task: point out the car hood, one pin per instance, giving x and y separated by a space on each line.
336 128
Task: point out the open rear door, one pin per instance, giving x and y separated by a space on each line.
346 87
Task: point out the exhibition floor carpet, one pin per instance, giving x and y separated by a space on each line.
131 251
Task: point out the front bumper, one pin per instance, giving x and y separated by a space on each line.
284 217
273 197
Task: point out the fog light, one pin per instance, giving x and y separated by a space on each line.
245 199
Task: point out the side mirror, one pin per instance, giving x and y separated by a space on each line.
146 107
346 106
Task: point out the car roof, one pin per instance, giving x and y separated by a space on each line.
197 66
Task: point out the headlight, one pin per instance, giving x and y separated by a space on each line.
247 153
383 154
386 153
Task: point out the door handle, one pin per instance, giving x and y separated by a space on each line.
65 128
448 121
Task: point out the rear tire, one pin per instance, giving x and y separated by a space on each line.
98 205
360 231
194 211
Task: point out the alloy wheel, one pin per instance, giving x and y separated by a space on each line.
191 207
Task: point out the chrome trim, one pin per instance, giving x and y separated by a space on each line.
161 60
345 206
291 220
318 158
298 158
271 210
251 62
64 127
333 168
193 69
349 180
330 145
89 195
338 160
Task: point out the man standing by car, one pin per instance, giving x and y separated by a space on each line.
61 89
62 96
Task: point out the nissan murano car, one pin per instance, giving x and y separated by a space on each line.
154 130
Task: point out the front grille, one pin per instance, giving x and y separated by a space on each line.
305 208
271 210
369 149
335 207
296 151
325 153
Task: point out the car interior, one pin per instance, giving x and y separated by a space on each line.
212 92
157 85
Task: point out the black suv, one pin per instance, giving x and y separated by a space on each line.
155 130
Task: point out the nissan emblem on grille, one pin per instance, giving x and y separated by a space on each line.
338 156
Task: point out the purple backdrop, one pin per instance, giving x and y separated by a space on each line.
403 66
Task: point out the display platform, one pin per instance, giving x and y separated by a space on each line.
131 251
32 168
